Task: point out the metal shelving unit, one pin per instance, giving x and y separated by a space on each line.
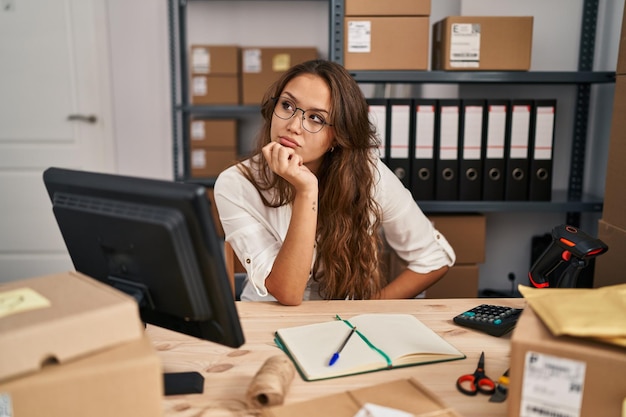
571 201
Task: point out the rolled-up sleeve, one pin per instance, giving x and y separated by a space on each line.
407 229
248 226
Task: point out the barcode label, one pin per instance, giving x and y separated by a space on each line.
552 386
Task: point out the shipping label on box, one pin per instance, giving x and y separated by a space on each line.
465 45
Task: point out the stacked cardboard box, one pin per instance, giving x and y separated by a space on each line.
479 43
263 66
386 35
466 233
72 346
215 74
213 146
610 267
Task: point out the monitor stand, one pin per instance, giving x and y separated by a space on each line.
178 383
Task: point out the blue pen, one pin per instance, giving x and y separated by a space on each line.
345 342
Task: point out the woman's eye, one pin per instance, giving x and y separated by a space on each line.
316 118
288 106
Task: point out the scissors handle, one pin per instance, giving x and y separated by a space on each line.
483 385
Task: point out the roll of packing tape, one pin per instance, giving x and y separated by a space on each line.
271 383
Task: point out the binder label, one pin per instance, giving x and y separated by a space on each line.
400 115
472 132
465 45
359 36
425 132
378 117
496 131
520 128
449 133
544 129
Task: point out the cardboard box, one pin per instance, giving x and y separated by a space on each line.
387 8
461 281
208 162
215 77
215 89
122 381
563 376
58 318
466 233
614 209
214 59
372 43
212 132
407 395
263 66
475 43
610 266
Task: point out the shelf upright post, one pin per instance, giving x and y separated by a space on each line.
172 27
581 116
336 13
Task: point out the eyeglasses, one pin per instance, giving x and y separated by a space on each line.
312 121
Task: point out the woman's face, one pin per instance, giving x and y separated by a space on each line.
308 93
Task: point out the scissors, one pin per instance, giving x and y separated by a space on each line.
477 382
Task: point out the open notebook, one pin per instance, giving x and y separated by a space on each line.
382 341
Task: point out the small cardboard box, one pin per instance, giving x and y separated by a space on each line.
208 162
213 132
563 376
263 66
610 266
466 233
478 43
387 8
122 381
58 318
406 395
215 77
614 209
372 43
461 281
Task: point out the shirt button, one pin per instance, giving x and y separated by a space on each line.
248 260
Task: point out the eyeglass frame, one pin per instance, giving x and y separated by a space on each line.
275 99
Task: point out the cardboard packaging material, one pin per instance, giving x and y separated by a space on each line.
209 161
263 66
215 77
58 318
563 376
466 233
479 43
610 266
386 43
406 395
461 281
388 8
122 381
614 209
212 132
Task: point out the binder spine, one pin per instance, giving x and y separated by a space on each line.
399 138
471 143
516 186
497 117
379 115
541 150
447 154
423 150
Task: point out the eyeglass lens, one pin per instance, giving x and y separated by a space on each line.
312 121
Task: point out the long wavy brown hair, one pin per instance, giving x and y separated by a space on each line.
348 241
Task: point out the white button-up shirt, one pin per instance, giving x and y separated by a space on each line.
256 232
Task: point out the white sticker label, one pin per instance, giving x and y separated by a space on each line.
359 36
465 45
552 386
6 408
252 61
197 130
199 86
201 61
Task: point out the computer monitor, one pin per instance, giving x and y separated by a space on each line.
154 240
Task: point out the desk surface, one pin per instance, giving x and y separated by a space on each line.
228 371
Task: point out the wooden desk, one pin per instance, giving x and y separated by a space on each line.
228 371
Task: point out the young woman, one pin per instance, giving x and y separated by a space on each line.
307 214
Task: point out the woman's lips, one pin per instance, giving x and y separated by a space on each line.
287 142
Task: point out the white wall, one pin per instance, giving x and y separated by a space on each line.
140 68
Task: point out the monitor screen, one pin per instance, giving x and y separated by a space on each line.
154 240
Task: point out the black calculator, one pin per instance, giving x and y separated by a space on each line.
491 319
